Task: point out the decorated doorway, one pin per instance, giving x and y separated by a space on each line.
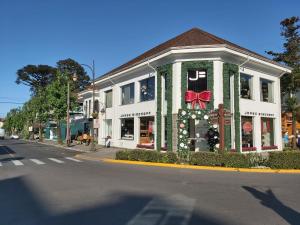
196 131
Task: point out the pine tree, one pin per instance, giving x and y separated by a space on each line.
290 83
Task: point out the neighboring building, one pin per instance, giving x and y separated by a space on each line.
147 102
1 122
287 122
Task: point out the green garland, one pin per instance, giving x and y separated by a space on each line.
228 70
183 126
185 114
237 114
164 70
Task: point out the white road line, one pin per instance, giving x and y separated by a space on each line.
17 162
56 160
0 163
72 159
39 162
176 209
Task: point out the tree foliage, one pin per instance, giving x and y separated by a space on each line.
36 77
290 83
71 67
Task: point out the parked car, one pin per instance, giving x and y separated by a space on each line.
2 133
14 136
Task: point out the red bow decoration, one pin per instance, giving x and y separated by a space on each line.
197 97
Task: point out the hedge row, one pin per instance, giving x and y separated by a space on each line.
147 156
284 160
276 160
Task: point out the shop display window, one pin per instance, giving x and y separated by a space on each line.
127 129
247 131
147 130
267 132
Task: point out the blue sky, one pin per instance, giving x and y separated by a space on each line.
113 32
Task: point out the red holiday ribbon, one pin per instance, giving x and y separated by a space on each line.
198 97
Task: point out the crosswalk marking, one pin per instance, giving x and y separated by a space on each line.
56 160
39 162
72 159
17 162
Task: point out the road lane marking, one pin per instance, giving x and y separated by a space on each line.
0 163
17 162
56 160
39 162
72 159
176 209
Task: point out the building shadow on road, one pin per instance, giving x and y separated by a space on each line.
268 199
4 150
20 204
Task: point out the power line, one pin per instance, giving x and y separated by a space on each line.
17 103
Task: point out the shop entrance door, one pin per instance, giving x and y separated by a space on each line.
198 130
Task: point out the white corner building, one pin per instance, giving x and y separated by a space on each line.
157 100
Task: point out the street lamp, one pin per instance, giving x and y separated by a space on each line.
92 68
68 135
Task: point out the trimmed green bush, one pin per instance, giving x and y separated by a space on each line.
147 156
276 160
235 160
205 159
284 160
122 155
169 157
224 159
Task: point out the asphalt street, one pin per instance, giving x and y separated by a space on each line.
43 185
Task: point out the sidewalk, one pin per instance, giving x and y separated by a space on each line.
100 152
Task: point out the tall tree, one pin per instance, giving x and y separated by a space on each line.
35 77
57 96
71 67
290 56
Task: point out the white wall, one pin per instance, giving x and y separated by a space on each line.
257 106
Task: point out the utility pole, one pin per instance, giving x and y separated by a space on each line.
93 97
68 139
68 134
92 68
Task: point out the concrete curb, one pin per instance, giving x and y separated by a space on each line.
179 166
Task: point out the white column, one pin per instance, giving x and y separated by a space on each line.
257 132
277 121
218 83
176 82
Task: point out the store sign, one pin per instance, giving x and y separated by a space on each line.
259 114
128 115
197 80
247 127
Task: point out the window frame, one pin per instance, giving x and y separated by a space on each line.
140 89
111 105
270 91
272 132
130 89
252 131
250 81
122 137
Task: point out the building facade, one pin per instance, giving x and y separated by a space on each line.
167 97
